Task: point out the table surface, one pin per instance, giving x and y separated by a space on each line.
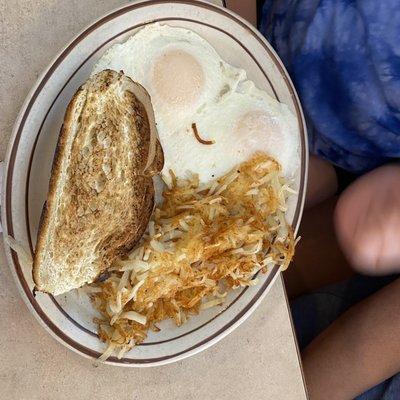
258 360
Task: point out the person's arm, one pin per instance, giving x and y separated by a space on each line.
322 181
359 350
245 8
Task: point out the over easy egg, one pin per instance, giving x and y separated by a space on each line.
239 125
181 71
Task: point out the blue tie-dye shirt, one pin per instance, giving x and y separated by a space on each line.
344 59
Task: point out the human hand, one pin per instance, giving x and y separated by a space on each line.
367 221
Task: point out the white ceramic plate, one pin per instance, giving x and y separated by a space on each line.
69 317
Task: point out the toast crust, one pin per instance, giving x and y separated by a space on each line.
100 196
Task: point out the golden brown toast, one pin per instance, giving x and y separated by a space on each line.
101 192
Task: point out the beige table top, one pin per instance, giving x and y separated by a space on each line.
259 360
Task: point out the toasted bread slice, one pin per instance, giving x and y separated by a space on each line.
101 192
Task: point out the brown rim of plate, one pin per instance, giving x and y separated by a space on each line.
10 169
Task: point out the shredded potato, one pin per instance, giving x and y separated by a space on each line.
201 242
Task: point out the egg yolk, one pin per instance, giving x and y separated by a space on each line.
256 122
178 78
258 131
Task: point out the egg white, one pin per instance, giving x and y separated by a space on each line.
181 71
246 121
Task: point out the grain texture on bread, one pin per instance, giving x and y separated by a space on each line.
101 192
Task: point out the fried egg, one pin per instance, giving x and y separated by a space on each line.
193 89
181 71
230 132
